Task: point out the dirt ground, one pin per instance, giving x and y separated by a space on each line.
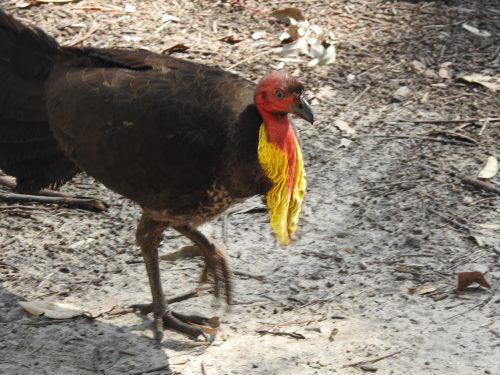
369 285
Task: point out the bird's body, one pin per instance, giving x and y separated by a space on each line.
173 142
178 138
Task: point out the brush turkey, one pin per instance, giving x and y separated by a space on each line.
183 140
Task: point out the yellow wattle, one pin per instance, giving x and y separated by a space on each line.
284 205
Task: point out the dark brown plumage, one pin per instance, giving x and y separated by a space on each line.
176 137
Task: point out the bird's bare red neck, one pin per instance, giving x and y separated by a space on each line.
280 133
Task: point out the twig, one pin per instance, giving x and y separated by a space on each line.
479 305
450 220
450 141
357 97
456 135
82 38
154 369
483 128
250 58
479 184
247 274
21 207
493 119
293 335
294 322
360 363
10 183
148 308
384 186
83 203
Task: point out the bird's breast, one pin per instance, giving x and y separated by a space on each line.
216 200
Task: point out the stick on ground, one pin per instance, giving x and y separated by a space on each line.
479 184
83 203
360 363
49 197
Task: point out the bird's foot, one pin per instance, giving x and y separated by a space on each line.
193 326
190 325
217 269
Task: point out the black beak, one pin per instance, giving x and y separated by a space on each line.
303 110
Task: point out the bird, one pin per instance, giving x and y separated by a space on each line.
184 141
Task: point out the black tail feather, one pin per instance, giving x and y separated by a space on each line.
28 150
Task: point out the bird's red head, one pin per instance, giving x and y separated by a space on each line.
279 94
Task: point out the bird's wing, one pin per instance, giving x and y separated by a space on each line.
155 136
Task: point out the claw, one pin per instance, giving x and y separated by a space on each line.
216 268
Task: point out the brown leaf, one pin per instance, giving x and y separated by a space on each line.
24 4
108 306
230 39
333 333
467 278
285 13
175 48
55 1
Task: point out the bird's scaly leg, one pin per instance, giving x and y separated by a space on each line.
148 237
216 263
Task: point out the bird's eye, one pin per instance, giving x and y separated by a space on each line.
279 94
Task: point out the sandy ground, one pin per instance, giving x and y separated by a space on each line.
369 285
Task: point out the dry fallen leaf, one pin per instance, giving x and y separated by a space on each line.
422 290
53 310
176 48
468 278
490 169
132 38
333 333
490 226
258 35
169 17
426 290
493 83
329 56
444 73
24 4
401 94
344 126
107 307
418 66
284 14
295 48
55 1
476 31
130 8
230 39
296 31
